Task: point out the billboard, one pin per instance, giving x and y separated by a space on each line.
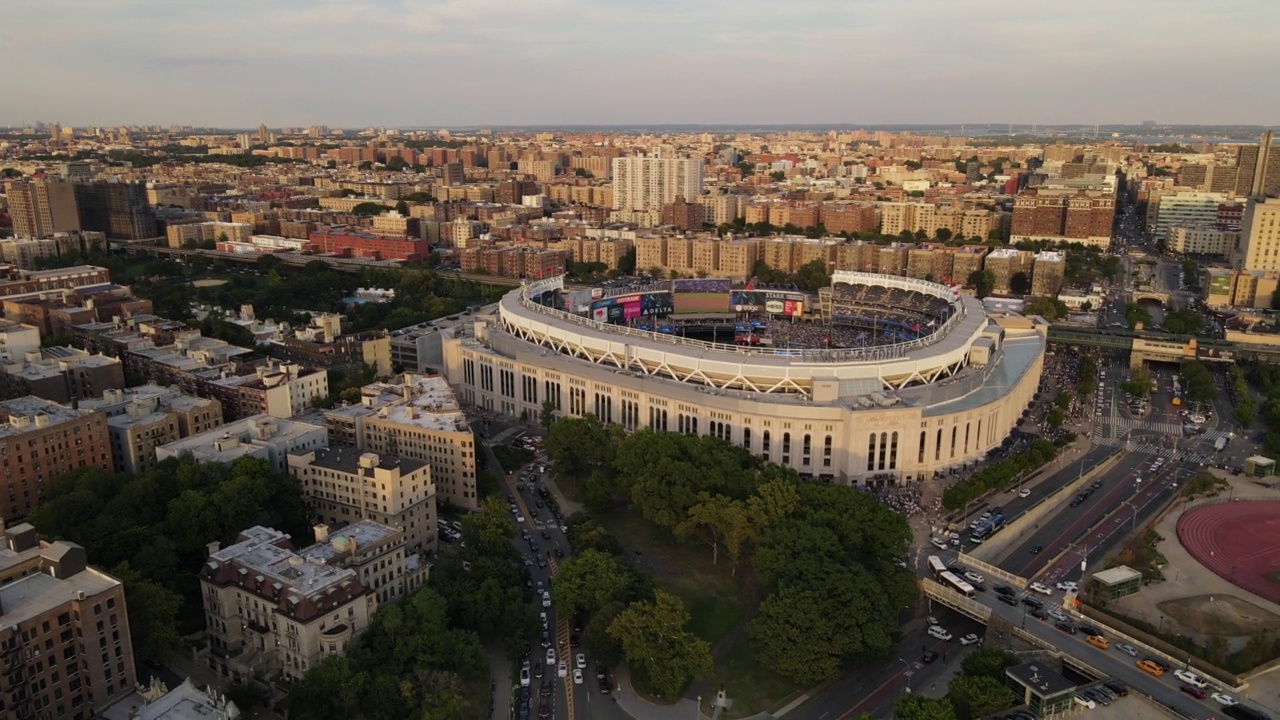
759 300
790 308
625 307
686 303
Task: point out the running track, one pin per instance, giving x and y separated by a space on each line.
1238 541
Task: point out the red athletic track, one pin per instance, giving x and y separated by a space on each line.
1238 541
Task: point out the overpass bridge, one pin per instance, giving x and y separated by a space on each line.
1154 295
1147 345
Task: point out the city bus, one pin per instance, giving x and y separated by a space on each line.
951 580
936 566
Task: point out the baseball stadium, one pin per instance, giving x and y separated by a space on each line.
875 380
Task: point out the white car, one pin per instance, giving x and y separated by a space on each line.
519 518
1024 493
1086 702
1042 589
580 660
933 621
562 670
551 656
1127 649
975 577
546 598
1067 585
524 677
938 632
969 639
940 544
1223 698
1190 678
577 676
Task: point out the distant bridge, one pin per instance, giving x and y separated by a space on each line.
1148 345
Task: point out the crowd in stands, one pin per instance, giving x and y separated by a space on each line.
877 296
701 285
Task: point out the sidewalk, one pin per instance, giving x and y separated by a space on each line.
567 506
500 687
641 709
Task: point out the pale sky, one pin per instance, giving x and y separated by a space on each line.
442 63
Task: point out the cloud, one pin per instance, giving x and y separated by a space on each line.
442 62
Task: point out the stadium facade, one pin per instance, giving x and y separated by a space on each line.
946 386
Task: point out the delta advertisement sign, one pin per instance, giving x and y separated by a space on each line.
623 308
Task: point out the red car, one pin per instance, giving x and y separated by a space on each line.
1194 692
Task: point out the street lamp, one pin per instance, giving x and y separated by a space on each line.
907 674
698 709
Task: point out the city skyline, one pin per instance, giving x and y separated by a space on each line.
481 62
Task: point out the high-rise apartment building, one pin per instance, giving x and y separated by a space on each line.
42 206
1186 208
344 485
1064 216
1202 240
415 417
1260 235
40 440
649 183
65 632
1258 168
119 209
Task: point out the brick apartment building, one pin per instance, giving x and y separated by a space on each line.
40 440
349 243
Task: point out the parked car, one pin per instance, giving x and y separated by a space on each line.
1151 667
938 632
969 639
1194 691
1190 678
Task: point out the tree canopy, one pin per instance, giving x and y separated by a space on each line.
658 647
153 529
825 554
410 662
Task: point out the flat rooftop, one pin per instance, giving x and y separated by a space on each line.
424 401
204 446
258 553
346 459
32 407
37 593
351 538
